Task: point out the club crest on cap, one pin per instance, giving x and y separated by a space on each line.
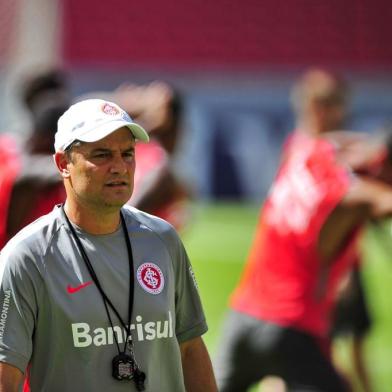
109 109
150 278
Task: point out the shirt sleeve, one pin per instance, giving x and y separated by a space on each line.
18 307
190 319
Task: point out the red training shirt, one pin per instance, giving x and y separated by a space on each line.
283 280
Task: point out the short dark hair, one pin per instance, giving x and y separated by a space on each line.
40 83
68 150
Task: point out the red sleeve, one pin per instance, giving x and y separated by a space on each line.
9 169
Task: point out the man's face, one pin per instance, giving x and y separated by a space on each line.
101 173
331 115
328 109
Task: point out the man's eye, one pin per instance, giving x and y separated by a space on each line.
101 155
129 154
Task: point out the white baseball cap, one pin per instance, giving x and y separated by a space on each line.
92 120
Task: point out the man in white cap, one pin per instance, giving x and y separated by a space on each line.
96 296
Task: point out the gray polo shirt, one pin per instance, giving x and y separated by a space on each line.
53 317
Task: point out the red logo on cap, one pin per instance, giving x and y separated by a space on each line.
150 278
110 109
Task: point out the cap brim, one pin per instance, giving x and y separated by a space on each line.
106 129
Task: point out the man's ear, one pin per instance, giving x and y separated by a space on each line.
62 162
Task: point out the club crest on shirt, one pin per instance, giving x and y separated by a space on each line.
150 278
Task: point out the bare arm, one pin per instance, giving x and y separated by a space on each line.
367 198
38 175
24 196
162 191
10 378
197 368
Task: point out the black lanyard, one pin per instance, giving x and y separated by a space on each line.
105 298
124 367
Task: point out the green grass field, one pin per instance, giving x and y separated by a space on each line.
217 242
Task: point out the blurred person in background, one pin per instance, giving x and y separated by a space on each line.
158 188
33 185
328 186
351 317
37 187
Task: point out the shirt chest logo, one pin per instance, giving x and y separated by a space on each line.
150 278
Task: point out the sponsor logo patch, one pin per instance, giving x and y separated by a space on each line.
84 334
4 313
193 277
150 278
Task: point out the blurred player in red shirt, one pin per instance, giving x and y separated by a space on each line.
35 186
304 247
158 189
